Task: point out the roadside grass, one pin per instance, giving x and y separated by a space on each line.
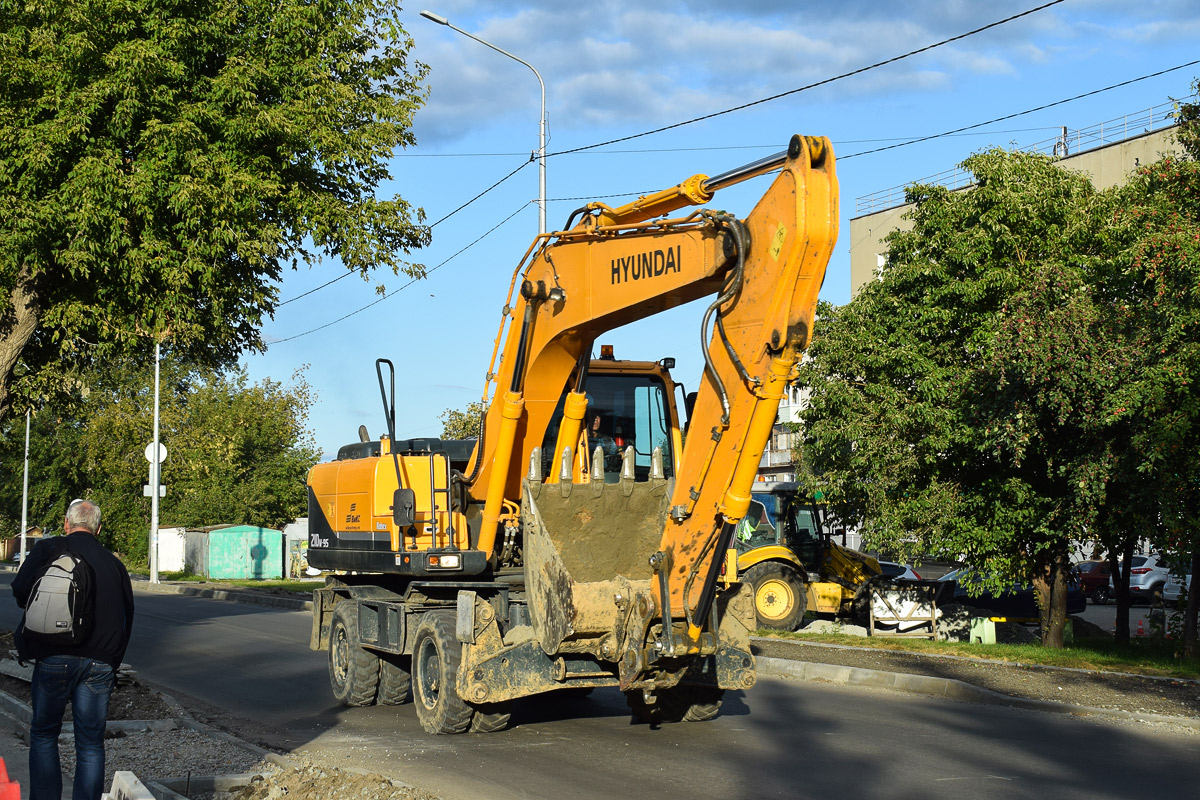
1148 656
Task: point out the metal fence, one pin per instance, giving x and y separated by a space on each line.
1067 143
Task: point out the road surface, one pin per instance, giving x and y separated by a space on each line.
780 739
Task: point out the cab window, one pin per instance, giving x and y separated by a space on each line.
623 411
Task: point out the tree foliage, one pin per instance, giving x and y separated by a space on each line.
462 424
1157 225
955 402
162 162
1024 375
237 453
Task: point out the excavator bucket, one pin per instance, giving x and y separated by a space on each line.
586 551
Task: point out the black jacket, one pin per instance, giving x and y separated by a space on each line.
114 601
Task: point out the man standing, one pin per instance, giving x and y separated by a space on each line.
81 674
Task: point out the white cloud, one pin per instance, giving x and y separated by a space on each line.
621 65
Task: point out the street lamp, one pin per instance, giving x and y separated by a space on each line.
429 15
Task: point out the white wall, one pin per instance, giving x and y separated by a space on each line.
170 549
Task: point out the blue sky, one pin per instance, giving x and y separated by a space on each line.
613 70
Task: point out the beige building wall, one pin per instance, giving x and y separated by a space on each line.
1107 166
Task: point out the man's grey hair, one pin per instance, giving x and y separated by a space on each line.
84 514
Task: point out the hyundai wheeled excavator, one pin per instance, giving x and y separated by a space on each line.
581 541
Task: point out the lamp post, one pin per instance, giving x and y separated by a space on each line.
155 475
429 15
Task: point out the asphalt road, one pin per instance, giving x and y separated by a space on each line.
1106 616
780 739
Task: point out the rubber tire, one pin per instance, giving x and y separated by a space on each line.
435 661
702 703
1156 597
1100 596
681 703
491 717
395 680
779 595
353 671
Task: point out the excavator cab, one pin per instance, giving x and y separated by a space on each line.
631 404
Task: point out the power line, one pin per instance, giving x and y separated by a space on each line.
954 132
405 286
481 194
317 289
850 74
642 150
1021 113
858 71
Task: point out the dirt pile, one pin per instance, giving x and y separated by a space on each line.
307 780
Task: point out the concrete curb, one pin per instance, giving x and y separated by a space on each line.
944 688
228 595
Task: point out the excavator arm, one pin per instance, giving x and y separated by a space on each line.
620 265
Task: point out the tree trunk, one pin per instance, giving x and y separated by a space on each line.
1052 600
1120 564
1190 649
16 329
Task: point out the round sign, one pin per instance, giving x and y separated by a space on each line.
162 453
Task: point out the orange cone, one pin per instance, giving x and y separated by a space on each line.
1141 631
9 790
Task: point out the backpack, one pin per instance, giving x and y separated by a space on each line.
61 607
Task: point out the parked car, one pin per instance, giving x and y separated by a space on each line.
1147 576
1018 601
902 572
1094 579
1173 589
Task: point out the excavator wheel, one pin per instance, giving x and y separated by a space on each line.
779 595
491 717
353 671
395 679
680 703
436 657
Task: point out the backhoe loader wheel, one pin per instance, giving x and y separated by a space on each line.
681 703
779 595
436 656
353 671
395 679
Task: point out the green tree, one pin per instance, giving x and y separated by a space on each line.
458 424
162 162
237 453
958 403
1156 227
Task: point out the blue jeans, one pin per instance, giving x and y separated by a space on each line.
86 684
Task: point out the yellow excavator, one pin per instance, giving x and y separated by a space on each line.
475 573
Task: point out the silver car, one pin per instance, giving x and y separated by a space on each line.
1173 588
1147 577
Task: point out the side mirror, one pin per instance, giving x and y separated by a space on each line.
404 504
